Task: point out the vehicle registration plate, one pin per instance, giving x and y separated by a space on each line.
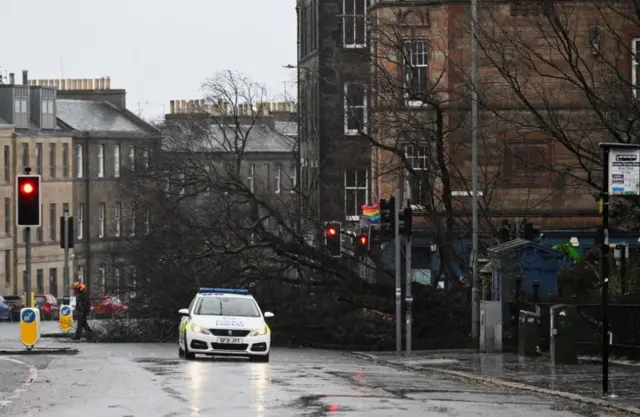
231 340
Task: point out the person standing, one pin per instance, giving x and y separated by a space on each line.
83 307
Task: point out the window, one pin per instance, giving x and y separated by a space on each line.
53 281
40 280
145 157
293 177
7 267
25 155
100 161
355 108
80 218
277 178
116 161
528 161
79 161
354 23
635 67
7 163
52 160
132 231
52 222
147 221
416 70
65 160
356 192
252 174
102 277
7 216
101 220
39 236
39 158
117 216
417 156
132 157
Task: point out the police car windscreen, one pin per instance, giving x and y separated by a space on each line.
222 306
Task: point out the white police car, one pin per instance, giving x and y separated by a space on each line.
222 321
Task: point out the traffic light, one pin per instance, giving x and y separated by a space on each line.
333 238
532 232
406 221
362 245
388 217
28 201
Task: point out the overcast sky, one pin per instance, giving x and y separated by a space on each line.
158 50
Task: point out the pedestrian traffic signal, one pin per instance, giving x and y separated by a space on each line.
406 221
388 217
28 201
333 238
362 246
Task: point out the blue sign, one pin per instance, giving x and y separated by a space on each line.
65 310
28 316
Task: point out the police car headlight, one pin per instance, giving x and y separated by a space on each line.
261 331
199 329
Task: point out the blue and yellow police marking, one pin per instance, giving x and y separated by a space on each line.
66 319
29 326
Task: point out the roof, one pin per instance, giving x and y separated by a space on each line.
226 139
4 122
515 244
95 116
287 128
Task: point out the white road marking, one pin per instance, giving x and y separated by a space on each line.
33 375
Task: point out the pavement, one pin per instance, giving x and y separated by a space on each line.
138 380
582 381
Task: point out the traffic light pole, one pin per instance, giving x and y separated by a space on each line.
396 235
408 294
27 255
67 289
27 258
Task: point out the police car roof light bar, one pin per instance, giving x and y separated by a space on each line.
224 290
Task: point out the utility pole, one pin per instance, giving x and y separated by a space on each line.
396 235
409 279
67 290
475 293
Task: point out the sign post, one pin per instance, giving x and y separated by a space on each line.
65 318
621 177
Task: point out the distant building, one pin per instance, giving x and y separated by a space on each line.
30 137
108 141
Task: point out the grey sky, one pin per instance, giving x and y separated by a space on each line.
157 49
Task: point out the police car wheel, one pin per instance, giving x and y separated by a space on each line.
180 351
260 358
188 355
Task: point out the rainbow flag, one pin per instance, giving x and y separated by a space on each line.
371 213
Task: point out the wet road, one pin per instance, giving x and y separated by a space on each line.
150 380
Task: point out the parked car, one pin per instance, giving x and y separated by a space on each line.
16 303
107 306
5 310
49 309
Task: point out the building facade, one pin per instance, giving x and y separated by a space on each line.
107 143
334 112
30 138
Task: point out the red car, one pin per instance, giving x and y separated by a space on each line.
107 306
48 304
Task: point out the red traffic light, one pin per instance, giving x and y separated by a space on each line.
363 240
27 188
332 231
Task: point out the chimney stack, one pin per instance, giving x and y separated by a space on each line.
172 106
12 78
25 77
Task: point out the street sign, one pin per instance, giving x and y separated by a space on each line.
66 318
624 171
29 326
